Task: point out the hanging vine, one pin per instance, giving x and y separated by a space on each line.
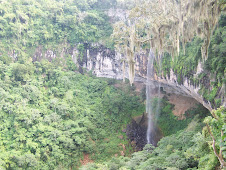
167 24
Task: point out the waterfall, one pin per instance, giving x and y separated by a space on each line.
149 92
151 113
158 104
159 99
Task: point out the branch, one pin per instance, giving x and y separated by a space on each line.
220 158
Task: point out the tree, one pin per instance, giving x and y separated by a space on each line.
167 24
216 128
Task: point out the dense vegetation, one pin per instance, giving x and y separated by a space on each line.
170 153
27 24
166 26
185 65
171 124
49 117
186 149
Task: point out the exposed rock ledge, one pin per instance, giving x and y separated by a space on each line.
104 62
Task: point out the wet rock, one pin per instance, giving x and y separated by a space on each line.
137 133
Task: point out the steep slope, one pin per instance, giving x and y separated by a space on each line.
51 118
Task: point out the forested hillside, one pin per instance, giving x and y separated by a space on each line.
26 24
55 114
185 149
50 116
212 79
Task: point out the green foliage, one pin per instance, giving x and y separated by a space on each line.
20 72
185 65
70 63
24 25
208 162
187 148
215 64
50 117
215 128
202 152
169 123
172 152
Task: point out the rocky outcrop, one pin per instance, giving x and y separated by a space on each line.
136 131
104 62
186 88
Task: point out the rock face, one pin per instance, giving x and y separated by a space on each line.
181 105
104 62
136 131
186 89
137 135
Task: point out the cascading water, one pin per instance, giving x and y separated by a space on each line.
159 99
149 92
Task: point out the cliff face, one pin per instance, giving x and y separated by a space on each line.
103 62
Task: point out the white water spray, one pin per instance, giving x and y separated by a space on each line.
149 92
151 113
159 91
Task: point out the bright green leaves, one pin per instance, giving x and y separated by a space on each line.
40 22
170 154
49 117
216 130
187 149
217 122
199 149
217 51
19 73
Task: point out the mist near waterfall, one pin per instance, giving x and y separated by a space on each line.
149 96
152 113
